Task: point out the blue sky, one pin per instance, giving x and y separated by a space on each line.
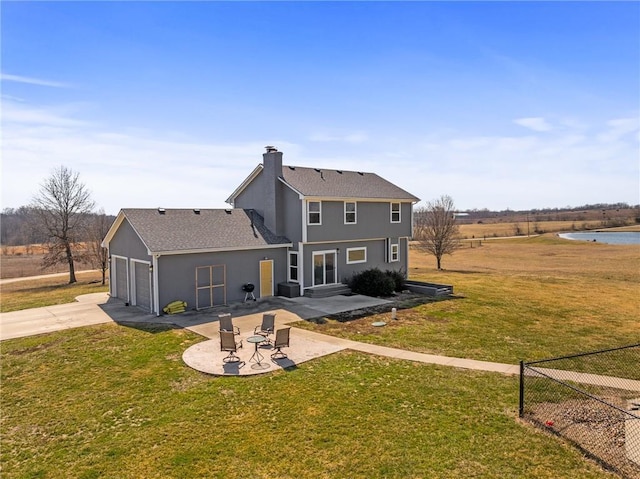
499 105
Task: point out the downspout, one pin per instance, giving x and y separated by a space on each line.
156 293
301 244
301 267
110 273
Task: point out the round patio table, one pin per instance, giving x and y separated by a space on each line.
257 356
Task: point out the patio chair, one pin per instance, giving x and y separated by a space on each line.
282 341
226 323
267 326
228 343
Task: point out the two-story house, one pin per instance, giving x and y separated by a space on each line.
291 230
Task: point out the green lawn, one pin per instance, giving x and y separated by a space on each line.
117 402
521 299
48 291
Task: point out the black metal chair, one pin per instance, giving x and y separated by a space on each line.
282 341
226 323
267 327
228 343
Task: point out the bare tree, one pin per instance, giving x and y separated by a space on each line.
435 228
60 209
98 256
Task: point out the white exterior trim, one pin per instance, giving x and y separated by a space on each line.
156 290
134 299
252 176
335 266
301 267
219 250
114 284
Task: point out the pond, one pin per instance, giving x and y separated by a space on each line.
609 237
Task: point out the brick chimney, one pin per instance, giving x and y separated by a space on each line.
272 170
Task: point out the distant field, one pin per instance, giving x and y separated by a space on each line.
49 291
498 229
22 261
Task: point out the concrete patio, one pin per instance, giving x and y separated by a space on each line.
304 346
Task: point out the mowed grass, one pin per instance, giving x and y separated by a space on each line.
528 298
110 401
36 293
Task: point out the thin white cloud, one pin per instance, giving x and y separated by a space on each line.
137 168
33 81
13 112
353 138
534 123
618 128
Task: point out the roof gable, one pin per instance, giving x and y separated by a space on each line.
185 230
322 183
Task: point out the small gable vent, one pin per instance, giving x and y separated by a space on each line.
161 211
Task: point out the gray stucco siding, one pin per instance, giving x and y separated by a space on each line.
376 258
126 242
176 273
291 214
373 221
252 197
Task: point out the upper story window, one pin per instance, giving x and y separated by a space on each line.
395 212
350 212
314 212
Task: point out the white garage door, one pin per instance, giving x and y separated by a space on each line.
142 284
121 280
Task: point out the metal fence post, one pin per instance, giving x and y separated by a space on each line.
521 407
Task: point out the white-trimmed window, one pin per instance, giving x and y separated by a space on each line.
356 255
394 252
314 212
293 266
350 212
395 213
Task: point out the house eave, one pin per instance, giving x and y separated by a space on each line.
358 199
219 250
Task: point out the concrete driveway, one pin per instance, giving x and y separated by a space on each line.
29 322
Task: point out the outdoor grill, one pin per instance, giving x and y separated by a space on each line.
248 289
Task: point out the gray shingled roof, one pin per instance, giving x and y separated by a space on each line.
342 184
184 230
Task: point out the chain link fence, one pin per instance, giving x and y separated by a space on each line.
590 399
